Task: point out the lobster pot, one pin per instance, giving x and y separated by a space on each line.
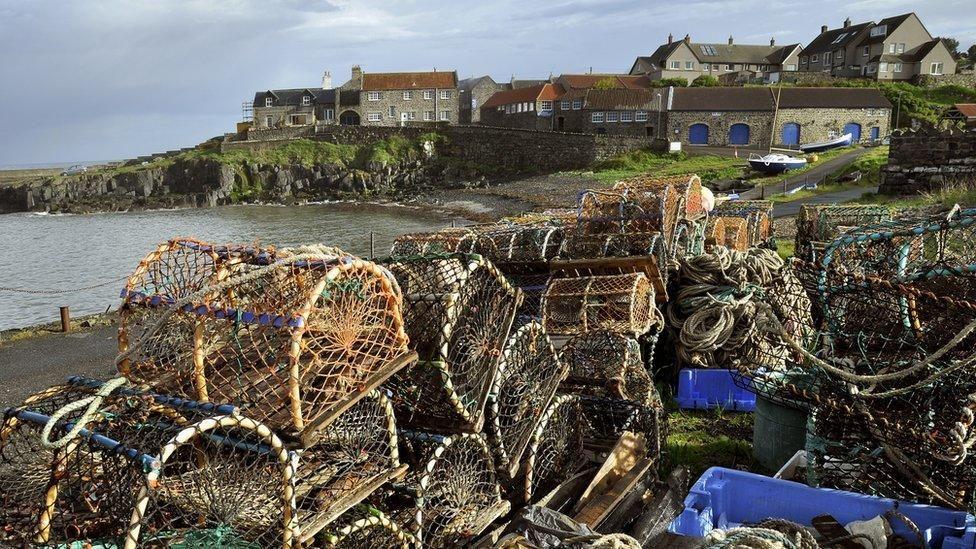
367 526
757 213
555 451
354 456
624 222
606 364
842 454
820 222
532 284
581 245
605 419
731 232
688 192
527 379
452 240
457 495
458 314
521 243
616 303
288 342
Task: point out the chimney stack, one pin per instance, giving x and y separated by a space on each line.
357 72
327 80
687 39
847 22
823 29
772 41
670 38
730 39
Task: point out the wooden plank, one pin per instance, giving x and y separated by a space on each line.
600 506
651 525
630 448
630 504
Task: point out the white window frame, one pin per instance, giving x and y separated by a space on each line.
612 117
373 96
306 100
392 111
411 115
429 116
268 102
866 51
840 55
897 68
445 94
814 58
596 117
374 117
577 104
882 67
268 121
328 114
640 116
689 65
429 94
530 106
891 47
627 116
729 67
674 65
546 106
791 67
828 57
407 95
900 48
936 68
706 67
564 105
445 116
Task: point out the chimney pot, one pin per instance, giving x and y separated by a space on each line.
847 22
772 41
357 72
730 39
327 80
823 29
687 39
670 38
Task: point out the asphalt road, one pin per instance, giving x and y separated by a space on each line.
29 365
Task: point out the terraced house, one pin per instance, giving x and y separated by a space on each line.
729 61
895 48
295 106
527 108
399 98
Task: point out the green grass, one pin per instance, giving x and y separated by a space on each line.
964 195
708 167
702 439
869 164
303 151
785 247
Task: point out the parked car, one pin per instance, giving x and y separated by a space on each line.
74 170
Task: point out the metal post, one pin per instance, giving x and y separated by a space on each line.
65 319
372 245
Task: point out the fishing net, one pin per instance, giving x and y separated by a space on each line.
757 213
452 240
456 491
817 224
616 303
532 283
555 451
366 526
292 340
605 419
730 232
525 384
505 243
689 238
458 311
687 191
355 455
603 363
144 469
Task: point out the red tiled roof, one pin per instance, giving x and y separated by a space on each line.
378 81
967 109
540 92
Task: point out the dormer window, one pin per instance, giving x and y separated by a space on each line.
306 100
880 30
268 102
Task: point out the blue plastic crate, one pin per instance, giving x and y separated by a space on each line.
700 389
723 498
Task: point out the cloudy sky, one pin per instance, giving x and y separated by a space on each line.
107 79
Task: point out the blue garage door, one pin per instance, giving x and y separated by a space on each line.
698 134
854 129
739 134
875 133
791 133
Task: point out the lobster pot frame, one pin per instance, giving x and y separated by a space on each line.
456 488
520 243
459 311
367 526
294 342
731 232
618 303
527 379
843 454
607 418
624 222
452 240
818 223
689 238
688 191
758 214
532 284
606 364
555 451
587 246
354 456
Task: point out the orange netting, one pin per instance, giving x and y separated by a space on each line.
617 303
731 232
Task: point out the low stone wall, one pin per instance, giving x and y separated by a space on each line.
928 159
928 81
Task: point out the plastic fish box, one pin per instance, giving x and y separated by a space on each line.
701 389
723 498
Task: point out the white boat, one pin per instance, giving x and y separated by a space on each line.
775 162
842 141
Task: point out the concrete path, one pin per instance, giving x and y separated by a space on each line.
814 175
30 365
784 209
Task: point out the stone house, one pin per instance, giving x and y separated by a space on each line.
689 60
399 98
528 108
295 107
473 93
622 111
570 114
762 117
895 48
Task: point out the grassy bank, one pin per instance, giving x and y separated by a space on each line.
869 164
643 161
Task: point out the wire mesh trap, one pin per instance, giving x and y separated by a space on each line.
606 419
817 224
451 240
454 485
526 381
730 232
757 213
617 303
458 312
293 342
366 526
606 364
555 451
141 470
509 243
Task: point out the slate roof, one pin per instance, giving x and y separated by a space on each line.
764 99
378 81
779 57
838 98
469 83
540 92
621 99
627 81
526 82
293 96
891 22
825 41
737 53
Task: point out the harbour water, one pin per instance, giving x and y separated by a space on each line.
63 252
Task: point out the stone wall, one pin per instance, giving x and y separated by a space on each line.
277 134
416 105
822 124
679 123
927 160
962 79
491 116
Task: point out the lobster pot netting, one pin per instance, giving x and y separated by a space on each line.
722 295
606 364
458 312
555 451
452 240
532 284
819 223
457 495
353 457
366 526
526 381
731 232
293 343
625 222
843 454
520 243
616 303
606 419
687 191
757 213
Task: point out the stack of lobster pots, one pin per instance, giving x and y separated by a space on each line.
741 224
